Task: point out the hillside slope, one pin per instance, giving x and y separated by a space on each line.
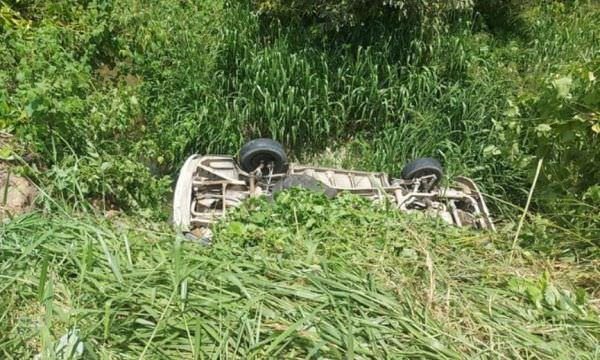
302 277
107 98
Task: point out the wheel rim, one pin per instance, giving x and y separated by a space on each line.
263 158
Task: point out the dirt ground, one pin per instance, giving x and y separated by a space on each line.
17 193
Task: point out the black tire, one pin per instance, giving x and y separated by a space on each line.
304 182
422 167
263 150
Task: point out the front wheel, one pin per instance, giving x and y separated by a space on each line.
423 167
261 153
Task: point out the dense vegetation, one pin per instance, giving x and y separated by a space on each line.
107 98
304 277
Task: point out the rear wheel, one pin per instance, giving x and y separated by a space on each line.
423 167
263 152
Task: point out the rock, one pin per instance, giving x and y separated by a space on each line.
17 194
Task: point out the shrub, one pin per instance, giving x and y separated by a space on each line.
335 14
158 82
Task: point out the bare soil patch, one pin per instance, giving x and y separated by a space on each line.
17 193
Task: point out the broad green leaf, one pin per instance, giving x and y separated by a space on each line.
563 87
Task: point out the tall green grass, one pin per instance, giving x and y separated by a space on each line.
109 98
114 96
304 277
